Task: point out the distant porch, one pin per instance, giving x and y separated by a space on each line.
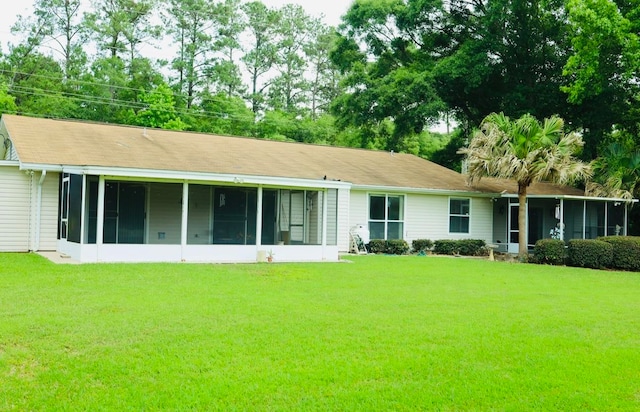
565 217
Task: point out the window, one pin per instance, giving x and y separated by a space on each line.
386 217
459 215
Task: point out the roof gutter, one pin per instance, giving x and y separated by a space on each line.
181 176
573 197
420 190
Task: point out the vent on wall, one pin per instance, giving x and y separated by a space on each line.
5 150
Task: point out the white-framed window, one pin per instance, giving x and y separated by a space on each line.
459 215
386 216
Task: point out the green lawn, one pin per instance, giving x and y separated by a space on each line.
381 333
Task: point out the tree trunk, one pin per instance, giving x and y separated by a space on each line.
522 222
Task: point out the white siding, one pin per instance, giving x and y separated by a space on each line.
49 212
344 207
165 213
15 210
428 218
359 208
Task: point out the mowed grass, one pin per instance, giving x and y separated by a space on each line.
380 333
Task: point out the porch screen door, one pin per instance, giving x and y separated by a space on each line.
513 223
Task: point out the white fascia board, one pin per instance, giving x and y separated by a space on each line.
13 163
178 176
417 190
574 197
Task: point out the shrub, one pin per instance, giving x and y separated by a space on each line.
549 252
589 253
464 247
445 247
472 247
397 247
421 245
392 247
377 246
626 252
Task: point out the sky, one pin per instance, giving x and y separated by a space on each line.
329 10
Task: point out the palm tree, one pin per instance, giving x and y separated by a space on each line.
617 172
526 151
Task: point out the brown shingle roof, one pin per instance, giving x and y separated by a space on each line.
72 143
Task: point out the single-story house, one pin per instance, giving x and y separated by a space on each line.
110 193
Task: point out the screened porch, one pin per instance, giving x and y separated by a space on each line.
106 219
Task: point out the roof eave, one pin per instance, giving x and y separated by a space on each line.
180 176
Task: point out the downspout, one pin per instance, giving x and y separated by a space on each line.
38 224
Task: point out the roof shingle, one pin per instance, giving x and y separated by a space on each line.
73 143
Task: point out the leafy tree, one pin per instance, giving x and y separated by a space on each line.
526 151
388 71
603 68
289 88
159 110
222 114
57 25
191 23
225 71
260 55
325 78
7 102
36 82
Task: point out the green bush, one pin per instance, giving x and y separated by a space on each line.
421 245
377 246
472 247
391 247
397 247
626 252
549 252
589 253
445 247
464 247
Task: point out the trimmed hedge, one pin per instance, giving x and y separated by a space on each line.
377 246
391 247
445 247
549 252
421 245
626 252
589 253
464 247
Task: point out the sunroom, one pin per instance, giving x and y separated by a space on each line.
560 217
127 219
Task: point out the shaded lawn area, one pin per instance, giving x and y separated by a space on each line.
380 333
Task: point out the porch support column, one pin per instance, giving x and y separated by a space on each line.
100 217
584 219
606 218
561 218
259 219
185 218
626 217
83 217
325 206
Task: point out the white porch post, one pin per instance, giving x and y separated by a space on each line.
83 217
584 219
606 218
562 218
259 220
325 206
100 217
626 218
185 218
